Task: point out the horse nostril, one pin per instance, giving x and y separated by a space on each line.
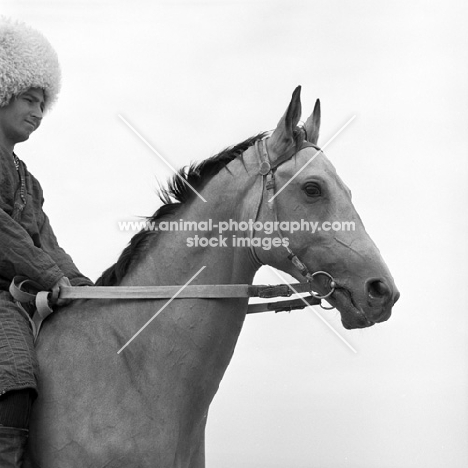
378 289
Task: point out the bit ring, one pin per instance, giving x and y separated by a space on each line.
332 284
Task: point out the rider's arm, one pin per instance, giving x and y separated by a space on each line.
19 255
64 261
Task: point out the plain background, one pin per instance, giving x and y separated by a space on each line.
197 76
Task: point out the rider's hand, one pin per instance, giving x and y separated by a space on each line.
55 300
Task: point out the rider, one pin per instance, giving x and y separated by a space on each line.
29 84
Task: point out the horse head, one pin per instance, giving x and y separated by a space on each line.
303 191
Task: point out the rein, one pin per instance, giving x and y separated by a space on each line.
31 297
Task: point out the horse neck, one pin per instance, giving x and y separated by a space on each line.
230 195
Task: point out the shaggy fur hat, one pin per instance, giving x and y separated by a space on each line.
27 60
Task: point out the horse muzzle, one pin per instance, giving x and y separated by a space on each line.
373 305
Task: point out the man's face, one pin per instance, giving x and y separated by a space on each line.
22 116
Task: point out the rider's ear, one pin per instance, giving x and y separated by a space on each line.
312 125
282 139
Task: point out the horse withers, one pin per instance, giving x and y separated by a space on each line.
147 405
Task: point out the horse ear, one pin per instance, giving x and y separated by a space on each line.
282 139
312 126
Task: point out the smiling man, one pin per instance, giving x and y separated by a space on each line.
29 84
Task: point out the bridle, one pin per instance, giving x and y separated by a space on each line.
267 171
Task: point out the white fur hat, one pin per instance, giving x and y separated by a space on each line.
27 60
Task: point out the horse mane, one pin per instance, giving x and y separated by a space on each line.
177 193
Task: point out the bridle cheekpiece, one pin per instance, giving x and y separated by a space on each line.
267 171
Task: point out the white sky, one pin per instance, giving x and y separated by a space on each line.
195 77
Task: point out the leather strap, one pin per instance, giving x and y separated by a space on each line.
26 291
208 291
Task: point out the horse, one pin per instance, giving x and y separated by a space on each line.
147 405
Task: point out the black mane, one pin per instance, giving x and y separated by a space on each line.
173 197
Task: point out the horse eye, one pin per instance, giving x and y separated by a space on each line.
312 189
